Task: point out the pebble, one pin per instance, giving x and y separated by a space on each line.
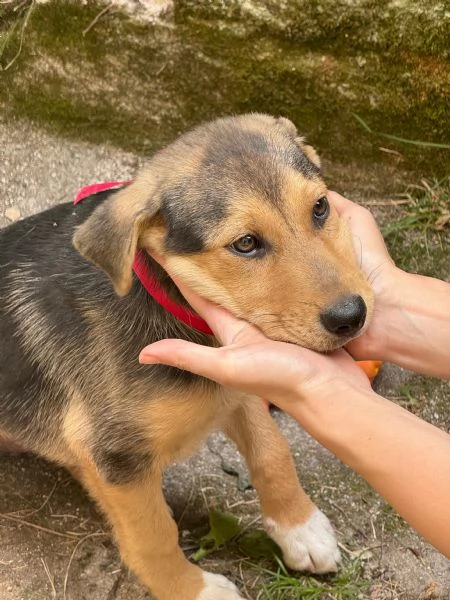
12 213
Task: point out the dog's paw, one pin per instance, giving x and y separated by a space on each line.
218 587
308 547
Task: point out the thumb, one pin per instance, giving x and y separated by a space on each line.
200 360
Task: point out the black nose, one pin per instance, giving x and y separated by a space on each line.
346 317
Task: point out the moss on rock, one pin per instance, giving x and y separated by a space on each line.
138 85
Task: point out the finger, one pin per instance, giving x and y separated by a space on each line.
356 349
341 204
200 360
358 214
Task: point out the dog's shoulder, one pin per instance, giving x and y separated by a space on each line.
35 238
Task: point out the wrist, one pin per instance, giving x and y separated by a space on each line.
330 416
375 342
415 327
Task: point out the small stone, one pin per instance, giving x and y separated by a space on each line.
12 213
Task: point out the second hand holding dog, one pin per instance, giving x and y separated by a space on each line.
329 395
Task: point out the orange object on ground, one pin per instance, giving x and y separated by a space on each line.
370 367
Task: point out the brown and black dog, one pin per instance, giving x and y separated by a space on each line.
238 209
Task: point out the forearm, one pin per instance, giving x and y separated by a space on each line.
404 458
416 325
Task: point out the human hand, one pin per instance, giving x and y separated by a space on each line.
381 273
249 361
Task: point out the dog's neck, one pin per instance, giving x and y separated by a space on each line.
153 277
153 282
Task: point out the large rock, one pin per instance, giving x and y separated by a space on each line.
138 84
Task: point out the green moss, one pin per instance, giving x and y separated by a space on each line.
364 25
138 86
389 521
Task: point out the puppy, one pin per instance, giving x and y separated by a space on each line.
238 208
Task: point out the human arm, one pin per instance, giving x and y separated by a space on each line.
411 321
404 458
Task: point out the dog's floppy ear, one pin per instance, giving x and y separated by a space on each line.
110 236
310 153
289 128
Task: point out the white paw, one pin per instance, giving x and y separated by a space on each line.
308 547
218 587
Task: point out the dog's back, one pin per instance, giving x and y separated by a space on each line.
64 331
36 320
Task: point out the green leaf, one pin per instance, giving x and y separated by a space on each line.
200 554
257 544
223 528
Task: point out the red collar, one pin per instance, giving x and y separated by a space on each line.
144 273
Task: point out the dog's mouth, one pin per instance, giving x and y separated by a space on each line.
324 346
332 329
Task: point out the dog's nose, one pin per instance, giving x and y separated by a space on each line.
346 317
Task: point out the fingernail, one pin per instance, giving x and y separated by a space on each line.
145 358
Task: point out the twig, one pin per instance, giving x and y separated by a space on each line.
51 578
385 202
69 536
115 588
22 34
393 152
78 544
161 69
188 501
246 527
97 18
34 511
245 590
19 6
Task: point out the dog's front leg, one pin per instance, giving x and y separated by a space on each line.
302 531
148 539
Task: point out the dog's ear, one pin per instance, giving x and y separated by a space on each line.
310 153
291 130
110 236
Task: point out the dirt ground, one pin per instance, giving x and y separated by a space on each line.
54 543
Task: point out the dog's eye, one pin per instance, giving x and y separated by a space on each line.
247 244
321 210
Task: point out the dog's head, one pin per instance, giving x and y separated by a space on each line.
239 210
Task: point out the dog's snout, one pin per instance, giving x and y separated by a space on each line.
346 317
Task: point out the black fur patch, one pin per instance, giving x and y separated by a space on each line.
251 161
301 163
62 292
191 211
123 466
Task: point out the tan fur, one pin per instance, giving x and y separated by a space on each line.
146 533
270 462
8 443
142 523
317 267
177 425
